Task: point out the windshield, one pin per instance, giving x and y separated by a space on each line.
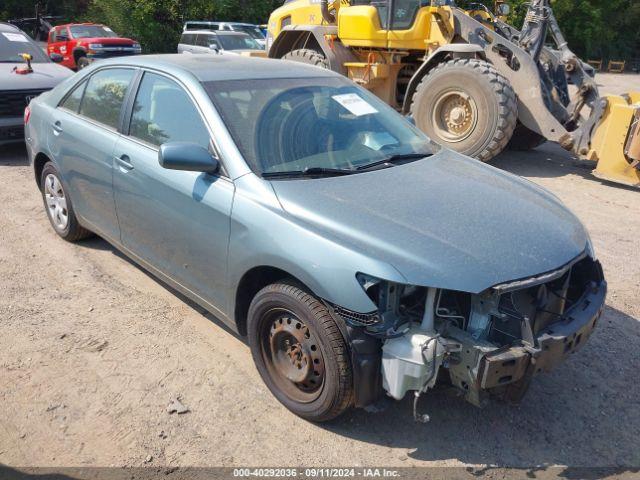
92 31
12 44
293 125
239 42
255 32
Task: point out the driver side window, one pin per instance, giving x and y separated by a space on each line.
163 112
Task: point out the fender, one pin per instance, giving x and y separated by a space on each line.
455 50
313 37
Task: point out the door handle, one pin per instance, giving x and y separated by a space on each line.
124 163
57 128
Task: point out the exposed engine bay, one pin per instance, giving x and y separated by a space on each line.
485 345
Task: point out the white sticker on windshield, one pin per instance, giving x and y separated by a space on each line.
16 37
355 104
108 29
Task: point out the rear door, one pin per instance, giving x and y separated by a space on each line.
202 43
83 133
177 222
187 41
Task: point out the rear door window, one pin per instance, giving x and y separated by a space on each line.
72 102
188 39
163 112
105 94
204 40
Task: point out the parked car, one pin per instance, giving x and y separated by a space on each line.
301 210
22 80
81 43
203 41
253 31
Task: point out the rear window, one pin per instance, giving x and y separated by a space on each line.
13 44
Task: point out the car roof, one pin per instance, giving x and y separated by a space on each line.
7 27
217 32
80 24
209 68
207 22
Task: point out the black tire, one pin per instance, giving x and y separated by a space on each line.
330 392
82 62
525 139
310 57
72 231
491 101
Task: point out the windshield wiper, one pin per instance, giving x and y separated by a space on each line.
311 172
394 160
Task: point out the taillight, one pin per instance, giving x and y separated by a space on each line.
27 115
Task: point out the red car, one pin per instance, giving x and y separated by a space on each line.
81 43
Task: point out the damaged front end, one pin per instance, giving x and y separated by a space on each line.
486 345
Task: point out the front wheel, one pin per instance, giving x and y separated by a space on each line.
466 105
82 62
300 352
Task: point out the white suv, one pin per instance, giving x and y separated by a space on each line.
252 30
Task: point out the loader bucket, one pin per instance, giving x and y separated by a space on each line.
615 143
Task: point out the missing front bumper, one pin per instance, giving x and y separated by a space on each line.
505 372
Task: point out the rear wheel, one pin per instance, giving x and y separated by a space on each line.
466 105
300 352
58 206
525 139
308 56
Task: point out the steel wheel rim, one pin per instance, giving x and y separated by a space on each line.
455 116
292 355
56 202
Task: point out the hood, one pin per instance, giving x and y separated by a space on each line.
445 221
44 76
108 40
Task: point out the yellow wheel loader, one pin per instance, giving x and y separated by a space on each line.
469 80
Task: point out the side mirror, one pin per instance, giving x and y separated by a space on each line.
56 57
215 48
504 9
187 157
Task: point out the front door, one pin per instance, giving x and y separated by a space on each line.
176 222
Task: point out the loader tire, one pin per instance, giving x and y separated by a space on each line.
310 57
524 139
467 106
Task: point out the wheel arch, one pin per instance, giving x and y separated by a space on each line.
39 162
442 54
79 52
250 284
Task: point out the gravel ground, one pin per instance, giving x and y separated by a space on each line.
93 350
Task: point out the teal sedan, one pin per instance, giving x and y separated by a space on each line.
360 258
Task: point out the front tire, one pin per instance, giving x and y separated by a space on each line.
82 62
58 206
466 105
300 352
